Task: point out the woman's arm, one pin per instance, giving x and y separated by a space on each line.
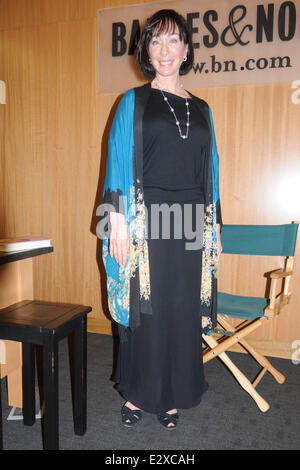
115 193
215 179
119 239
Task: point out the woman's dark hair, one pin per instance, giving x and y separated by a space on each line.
161 21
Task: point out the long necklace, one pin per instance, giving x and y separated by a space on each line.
172 110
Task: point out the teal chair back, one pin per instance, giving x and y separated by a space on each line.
269 240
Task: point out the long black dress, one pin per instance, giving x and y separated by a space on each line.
160 365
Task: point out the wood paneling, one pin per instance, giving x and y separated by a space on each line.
53 142
28 13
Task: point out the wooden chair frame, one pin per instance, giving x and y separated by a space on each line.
236 335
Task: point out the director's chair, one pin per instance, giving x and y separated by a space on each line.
267 240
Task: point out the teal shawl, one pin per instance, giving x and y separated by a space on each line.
129 285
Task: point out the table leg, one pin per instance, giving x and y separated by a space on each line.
80 382
50 372
28 379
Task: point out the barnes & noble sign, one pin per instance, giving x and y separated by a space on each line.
235 43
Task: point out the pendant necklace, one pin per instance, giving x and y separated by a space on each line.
172 110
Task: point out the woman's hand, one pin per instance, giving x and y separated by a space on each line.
219 244
119 239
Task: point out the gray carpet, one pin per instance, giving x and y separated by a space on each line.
227 417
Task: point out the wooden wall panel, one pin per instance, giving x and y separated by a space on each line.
28 13
53 142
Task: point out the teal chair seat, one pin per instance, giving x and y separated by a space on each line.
240 306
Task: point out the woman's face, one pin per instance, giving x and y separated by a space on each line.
166 52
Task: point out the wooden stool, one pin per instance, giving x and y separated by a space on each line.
34 322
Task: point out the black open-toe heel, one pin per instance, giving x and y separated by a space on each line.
130 417
165 419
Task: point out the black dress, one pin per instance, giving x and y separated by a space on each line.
160 366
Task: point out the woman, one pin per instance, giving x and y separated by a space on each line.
162 287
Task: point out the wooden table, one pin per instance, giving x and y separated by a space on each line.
16 284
